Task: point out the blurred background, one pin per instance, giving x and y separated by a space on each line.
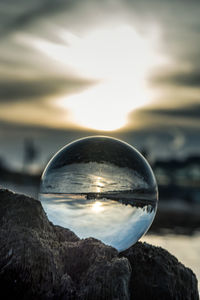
127 69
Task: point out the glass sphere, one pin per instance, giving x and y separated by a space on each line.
100 187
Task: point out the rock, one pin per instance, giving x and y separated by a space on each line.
156 274
41 261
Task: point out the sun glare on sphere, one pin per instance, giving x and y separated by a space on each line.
97 207
99 184
119 60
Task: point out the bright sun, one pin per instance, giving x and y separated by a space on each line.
97 207
119 60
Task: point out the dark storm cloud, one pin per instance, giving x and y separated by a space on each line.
176 15
17 58
23 14
187 112
30 14
185 79
16 90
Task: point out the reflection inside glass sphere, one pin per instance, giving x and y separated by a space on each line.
100 187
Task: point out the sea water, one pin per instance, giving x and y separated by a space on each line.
118 220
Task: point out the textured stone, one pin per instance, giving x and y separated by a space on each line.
156 274
41 261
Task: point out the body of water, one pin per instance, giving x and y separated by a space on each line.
92 177
115 220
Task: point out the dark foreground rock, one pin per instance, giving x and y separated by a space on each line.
41 261
156 274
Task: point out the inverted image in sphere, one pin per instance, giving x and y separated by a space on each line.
100 187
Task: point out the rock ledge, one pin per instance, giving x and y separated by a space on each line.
41 261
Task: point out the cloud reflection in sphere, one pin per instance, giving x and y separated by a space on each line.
100 187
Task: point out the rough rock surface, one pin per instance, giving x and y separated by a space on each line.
41 261
156 274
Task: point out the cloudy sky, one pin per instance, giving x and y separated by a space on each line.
100 65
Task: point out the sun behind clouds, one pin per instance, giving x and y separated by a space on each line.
119 60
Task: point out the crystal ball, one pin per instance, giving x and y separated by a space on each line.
100 187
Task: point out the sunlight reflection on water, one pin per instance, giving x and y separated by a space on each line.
111 221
